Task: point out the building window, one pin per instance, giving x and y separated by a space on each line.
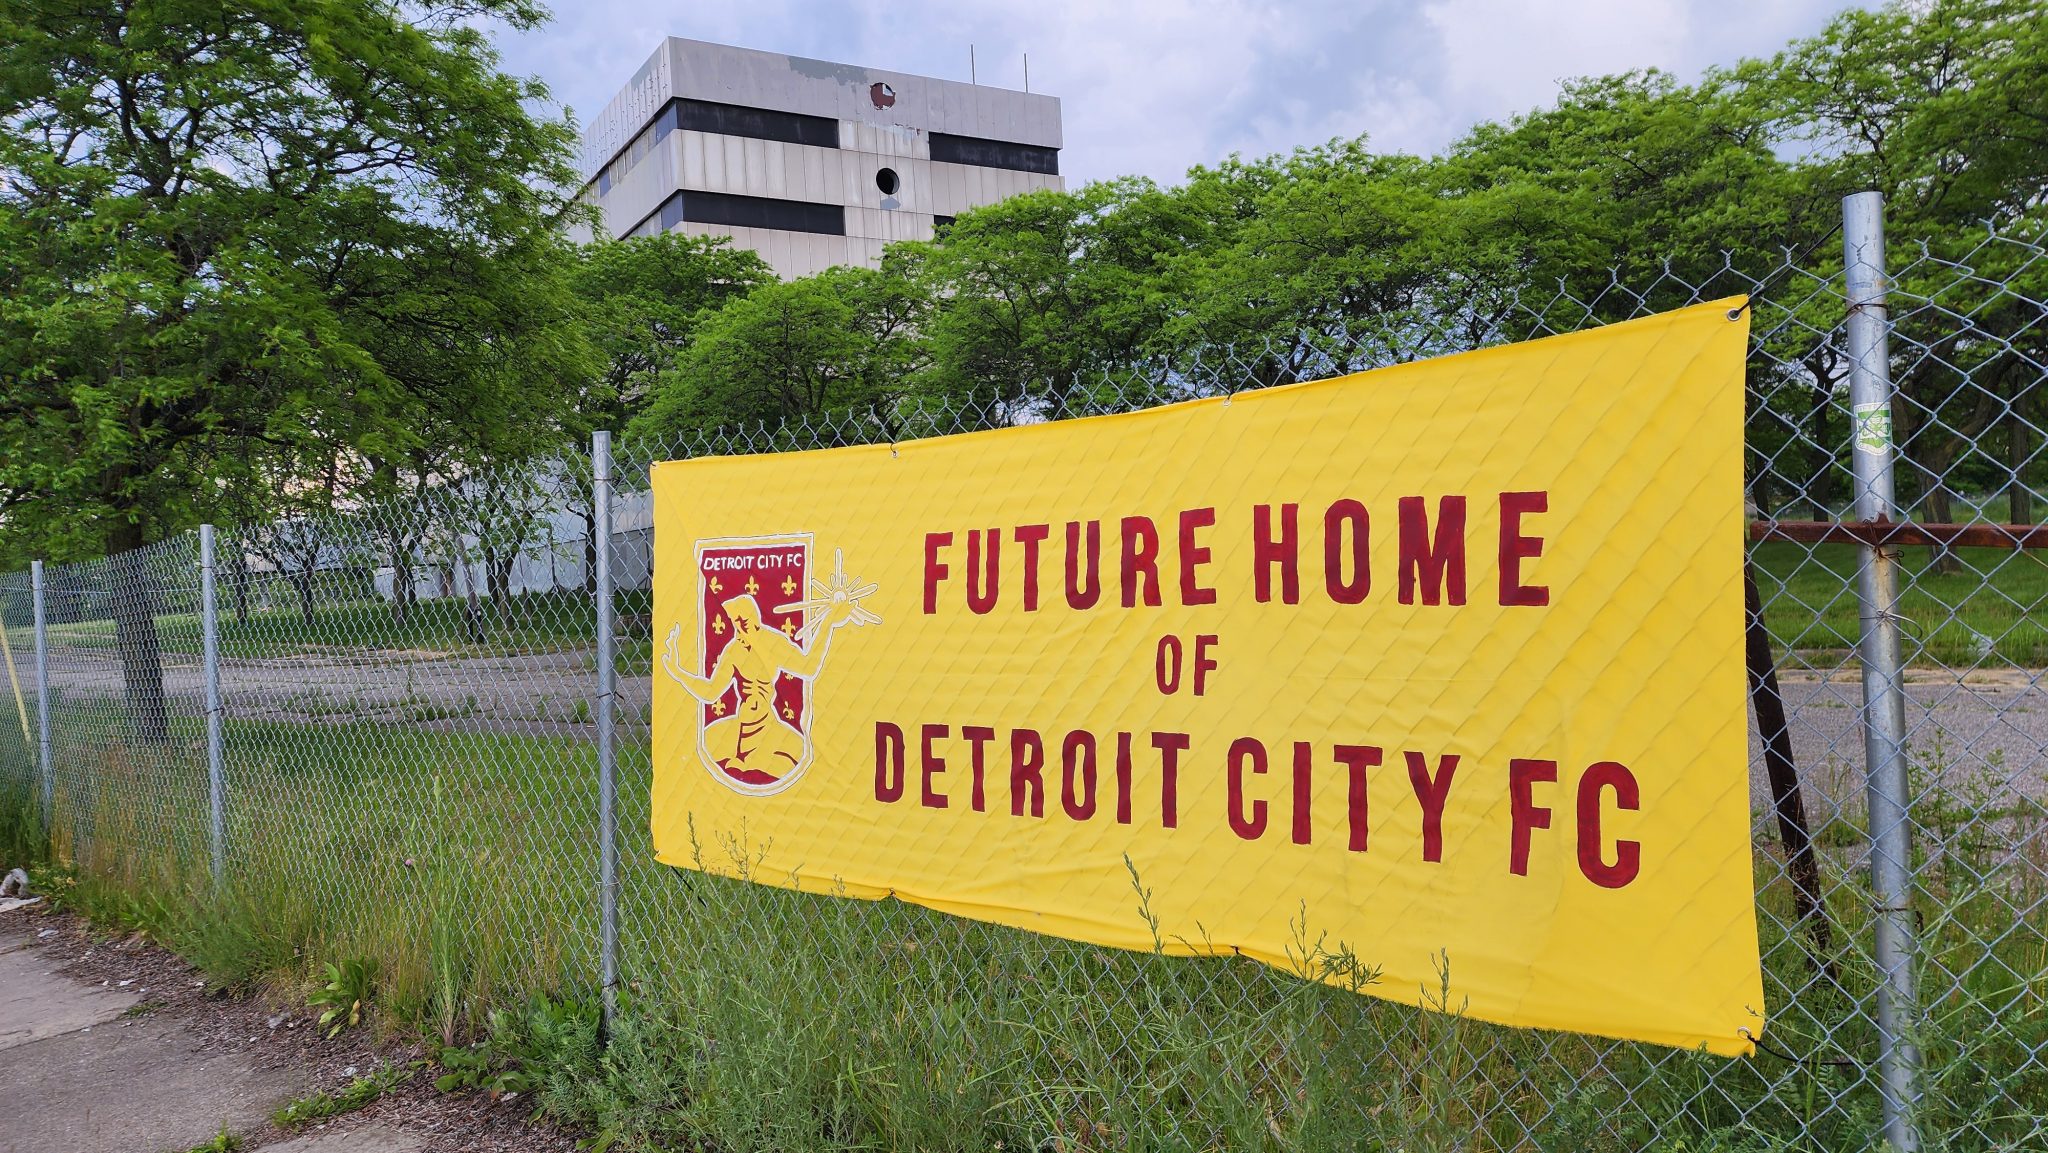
724 119
751 212
887 182
995 154
759 123
940 226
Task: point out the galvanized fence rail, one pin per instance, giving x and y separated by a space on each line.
416 730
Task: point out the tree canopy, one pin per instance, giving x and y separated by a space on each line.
268 255
234 231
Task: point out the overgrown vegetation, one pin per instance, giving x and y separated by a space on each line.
759 1019
345 996
357 1094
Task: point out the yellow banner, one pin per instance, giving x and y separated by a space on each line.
1439 666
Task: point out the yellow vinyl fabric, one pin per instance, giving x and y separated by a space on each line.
1438 665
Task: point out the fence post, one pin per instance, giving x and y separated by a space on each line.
209 645
607 784
43 759
1884 704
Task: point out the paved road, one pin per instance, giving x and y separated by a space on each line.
1987 732
532 693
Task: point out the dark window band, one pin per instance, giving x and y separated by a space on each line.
995 154
724 119
751 212
759 123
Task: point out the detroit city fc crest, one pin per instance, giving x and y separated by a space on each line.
765 625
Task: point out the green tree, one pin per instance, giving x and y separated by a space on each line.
641 299
1941 107
1037 291
838 346
264 221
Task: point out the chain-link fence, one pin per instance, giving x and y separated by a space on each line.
409 771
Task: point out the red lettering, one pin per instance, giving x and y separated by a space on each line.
1524 814
1436 562
1247 823
1123 778
1516 548
1030 536
1269 550
1335 518
1027 758
934 569
1166 661
888 762
1628 855
1170 746
931 764
982 571
1082 594
1358 758
1194 555
1140 560
1304 759
1077 759
978 737
1432 790
1204 663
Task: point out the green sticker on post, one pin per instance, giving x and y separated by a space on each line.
1873 426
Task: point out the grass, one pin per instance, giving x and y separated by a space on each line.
461 869
1993 610
222 1142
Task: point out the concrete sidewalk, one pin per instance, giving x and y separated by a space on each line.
84 1074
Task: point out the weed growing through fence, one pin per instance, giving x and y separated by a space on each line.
345 997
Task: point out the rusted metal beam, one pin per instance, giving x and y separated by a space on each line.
1884 532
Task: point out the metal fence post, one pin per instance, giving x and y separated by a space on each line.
1884 705
43 759
216 780
607 784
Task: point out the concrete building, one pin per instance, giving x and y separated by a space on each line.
809 163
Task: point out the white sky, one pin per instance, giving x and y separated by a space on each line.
1152 87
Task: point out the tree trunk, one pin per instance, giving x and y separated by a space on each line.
238 579
133 598
1819 487
2019 446
303 582
590 545
501 589
472 611
1940 506
401 585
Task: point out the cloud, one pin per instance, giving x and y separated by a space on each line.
1153 87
